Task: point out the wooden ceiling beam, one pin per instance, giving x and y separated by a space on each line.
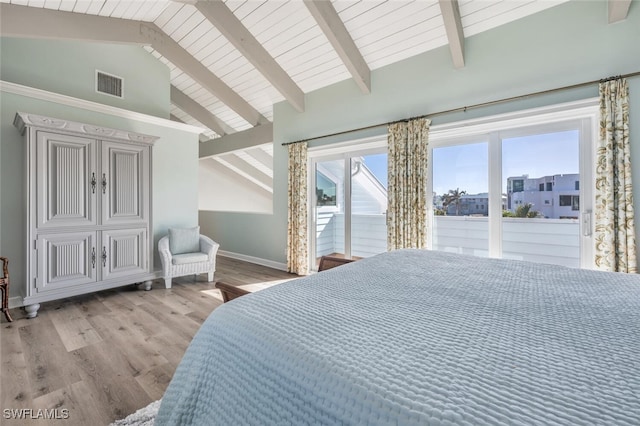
232 28
618 10
334 29
244 139
200 113
453 27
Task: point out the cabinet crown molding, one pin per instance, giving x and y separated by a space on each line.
23 120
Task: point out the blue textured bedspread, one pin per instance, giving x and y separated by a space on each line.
419 337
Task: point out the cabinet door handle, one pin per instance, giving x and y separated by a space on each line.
104 256
104 183
93 258
93 183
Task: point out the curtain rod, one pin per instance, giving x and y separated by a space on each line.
465 108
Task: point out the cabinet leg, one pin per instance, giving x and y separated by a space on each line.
147 285
32 310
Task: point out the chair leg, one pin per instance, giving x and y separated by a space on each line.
5 302
210 276
167 283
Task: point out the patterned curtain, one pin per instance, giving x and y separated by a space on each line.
407 184
614 215
297 256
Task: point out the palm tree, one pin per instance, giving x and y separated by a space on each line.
453 197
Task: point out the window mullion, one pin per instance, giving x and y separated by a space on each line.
347 205
495 195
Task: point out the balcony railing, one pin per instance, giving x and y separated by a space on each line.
554 241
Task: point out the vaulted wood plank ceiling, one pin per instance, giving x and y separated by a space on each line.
230 61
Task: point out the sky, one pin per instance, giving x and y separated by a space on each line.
466 166
378 165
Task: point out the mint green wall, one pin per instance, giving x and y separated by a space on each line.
69 68
568 44
174 173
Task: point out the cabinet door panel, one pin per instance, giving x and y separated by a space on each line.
66 169
65 260
124 252
124 183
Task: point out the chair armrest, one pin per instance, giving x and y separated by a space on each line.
208 246
165 253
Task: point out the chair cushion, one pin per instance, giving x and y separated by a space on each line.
184 240
181 259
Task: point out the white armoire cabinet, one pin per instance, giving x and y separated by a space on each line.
88 205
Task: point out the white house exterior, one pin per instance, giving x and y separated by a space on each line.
555 197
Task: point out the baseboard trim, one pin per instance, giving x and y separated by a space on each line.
252 259
15 302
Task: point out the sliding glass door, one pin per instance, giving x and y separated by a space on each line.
349 203
518 193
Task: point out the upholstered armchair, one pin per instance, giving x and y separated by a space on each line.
185 252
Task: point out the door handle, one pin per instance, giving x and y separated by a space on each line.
586 223
93 257
93 183
104 256
104 183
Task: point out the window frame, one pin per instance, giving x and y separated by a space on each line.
338 151
581 115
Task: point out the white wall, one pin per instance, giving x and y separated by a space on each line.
220 189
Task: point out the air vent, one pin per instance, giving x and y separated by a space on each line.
109 84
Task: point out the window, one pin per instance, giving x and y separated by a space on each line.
325 190
577 185
348 214
572 201
565 200
518 185
513 162
459 170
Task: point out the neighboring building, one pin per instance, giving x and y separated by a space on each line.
470 205
555 197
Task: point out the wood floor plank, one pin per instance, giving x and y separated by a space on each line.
170 345
174 301
78 402
155 380
46 359
104 369
72 326
15 391
117 331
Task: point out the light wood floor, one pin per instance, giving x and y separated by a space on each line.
102 356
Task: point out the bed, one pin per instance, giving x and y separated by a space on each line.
414 337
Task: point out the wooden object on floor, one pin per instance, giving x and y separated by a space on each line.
328 262
4 286
230 292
